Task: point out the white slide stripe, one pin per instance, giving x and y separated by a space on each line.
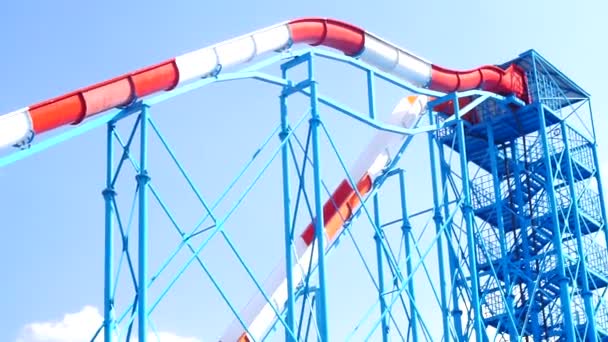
396 61
272 39
196 64
259 326
384 145
203 62
258 314
236 51
15 127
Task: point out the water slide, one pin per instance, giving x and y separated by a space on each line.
258 314
25 124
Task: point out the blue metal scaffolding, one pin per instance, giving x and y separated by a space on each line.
511 246
540 231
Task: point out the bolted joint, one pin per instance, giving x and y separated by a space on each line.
125 155
108 193
216 71
467 208
378 236
26 142
283 135
142 178
564 281
437 217
315 120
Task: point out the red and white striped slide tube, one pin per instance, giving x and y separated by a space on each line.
74 107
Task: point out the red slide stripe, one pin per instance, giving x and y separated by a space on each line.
107 96
339 208
57 112
76 106
163 76
336 34
491 78
73 107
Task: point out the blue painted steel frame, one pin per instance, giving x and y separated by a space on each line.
586 293
557 234
108 194
439 227
377 235
468 217
406 227
456 312
501 234
559 170
302 87
289 246
186 237
309 88
315 121
563 220
142 187
523 223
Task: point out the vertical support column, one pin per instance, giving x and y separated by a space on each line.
557 234
523 224
492 154
142 185
378 239
452 258
598 178
438 219
290 305
406 227
600 190
109 320
468 217
536 80
315 121
587 295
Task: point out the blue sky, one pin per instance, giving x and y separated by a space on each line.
51 252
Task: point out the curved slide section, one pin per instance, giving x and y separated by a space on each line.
72 108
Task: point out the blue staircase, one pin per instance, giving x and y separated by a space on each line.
525 207
528 174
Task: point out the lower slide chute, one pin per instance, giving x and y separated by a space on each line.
258 314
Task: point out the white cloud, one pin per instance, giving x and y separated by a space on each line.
74 327
80 327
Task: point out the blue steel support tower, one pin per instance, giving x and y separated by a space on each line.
517 248
539 230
